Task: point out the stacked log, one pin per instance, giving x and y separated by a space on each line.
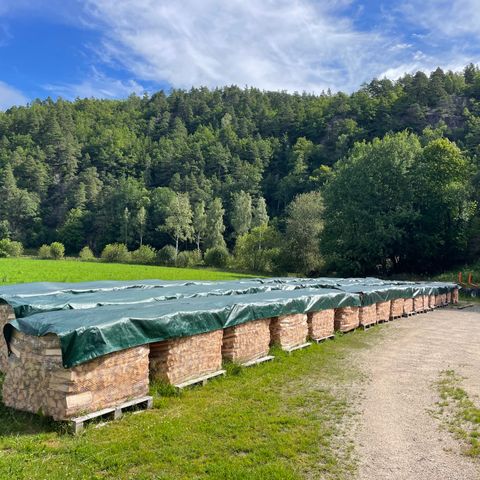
425 302
455 295
37 382
367 315
449 297
408 306
246 342
438 300
443 299
396 309
346 318
432 302
179 360
321 324
418 306
289 331
6 315
383 311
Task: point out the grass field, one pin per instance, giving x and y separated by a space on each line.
282 420
21 270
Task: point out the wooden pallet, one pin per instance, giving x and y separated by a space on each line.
321 340
409 314
200 380
78 424
297 347
257 361
367 327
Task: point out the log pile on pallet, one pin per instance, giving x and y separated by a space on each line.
180 360
247 342
6 315
383 310
289 331
408 306
396 309
346 319
367 315
418 306
37 382
321 325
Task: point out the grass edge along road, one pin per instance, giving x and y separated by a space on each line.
458 413
287 419
22 270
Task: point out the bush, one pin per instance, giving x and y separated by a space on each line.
145 255
188 258
86 254
9 248
44 252
217 257
115 253
57 250
166 256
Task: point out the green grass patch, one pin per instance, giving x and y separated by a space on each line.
459 413
280 420
21 270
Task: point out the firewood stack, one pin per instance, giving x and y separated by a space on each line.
418 304
396 309
178 360
367 315
383 311
408 306
6 315
347 318
455 295
449 297
289 331
247 341
37 382
321 324
443 299
432 301
438 300
426 305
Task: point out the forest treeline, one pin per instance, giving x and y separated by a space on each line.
382 180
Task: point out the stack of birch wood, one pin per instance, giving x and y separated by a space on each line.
178 360
367 315
321 324
396 309
347 318
289 331
246 342
383 311
37 382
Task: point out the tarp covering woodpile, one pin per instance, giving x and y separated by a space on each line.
86 334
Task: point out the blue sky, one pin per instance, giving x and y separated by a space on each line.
111 48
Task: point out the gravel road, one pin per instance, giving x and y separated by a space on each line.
397 438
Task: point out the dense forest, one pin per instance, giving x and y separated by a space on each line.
381 180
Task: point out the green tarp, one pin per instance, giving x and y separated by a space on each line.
90 333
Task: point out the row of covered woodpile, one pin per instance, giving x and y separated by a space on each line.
65 362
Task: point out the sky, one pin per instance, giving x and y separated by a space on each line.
113 48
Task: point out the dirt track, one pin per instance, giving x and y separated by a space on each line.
397 437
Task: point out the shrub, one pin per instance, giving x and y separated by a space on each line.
57 250
217 257
115 253
9 248
189 258
45 252
145 255
86 254
166 256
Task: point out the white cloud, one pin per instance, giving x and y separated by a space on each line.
273 44
96 85
451 18
10 96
